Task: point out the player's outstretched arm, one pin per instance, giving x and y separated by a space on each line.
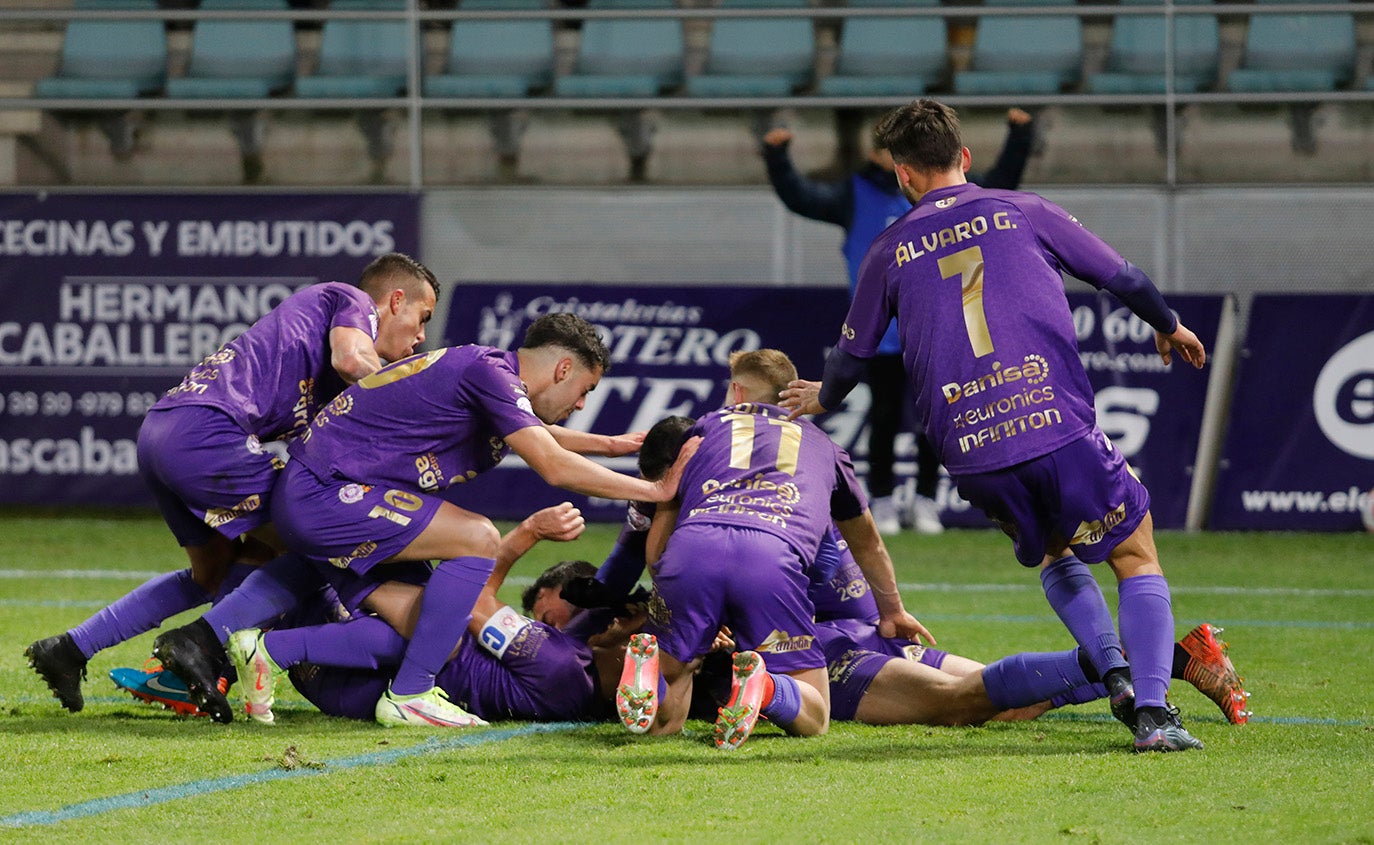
861 533
571 471
606 445
1184 342
561 522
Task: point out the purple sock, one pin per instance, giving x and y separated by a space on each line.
787 700
933 657
1147 629
1073 593
363 643
142 609
232 579
263 596
1080 695
444 610
1031 677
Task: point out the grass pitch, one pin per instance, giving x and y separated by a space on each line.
1299 614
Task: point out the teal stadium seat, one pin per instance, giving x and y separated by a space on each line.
1285 52
757 57
882 57
238 59
1032 54
626 57
496 58
1135 62
109 59
360 58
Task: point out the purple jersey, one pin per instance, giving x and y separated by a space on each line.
421 424
273 378
838 588
755 469
545 675
974 278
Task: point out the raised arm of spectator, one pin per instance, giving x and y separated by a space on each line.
828 202
1006 172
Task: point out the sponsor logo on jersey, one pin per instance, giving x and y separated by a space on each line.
361 552
946 202
215 517
523 403
781 641
1092 532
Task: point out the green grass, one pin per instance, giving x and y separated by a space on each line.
1299 613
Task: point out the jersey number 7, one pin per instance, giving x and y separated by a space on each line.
967 264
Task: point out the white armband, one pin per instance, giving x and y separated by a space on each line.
502 629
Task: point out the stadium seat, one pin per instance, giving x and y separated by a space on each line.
109 59
626 57
1287 52
237 59
1024 54
496 58
888 56
1135 63
757 57
360 58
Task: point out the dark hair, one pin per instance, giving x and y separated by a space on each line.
378 275
572 333
555 576
661 446
922 134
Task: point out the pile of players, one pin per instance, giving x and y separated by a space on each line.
304 477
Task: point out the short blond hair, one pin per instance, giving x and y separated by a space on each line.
767 370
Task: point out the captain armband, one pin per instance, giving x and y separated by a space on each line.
501 630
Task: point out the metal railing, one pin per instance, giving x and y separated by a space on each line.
414 102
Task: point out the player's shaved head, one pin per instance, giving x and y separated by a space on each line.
763 373
397 270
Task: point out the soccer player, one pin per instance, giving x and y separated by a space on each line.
889 680
362 491
506 666
211 448
755 502
973 278
863 204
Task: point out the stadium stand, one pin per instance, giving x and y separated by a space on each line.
757 57
1024 54
1296 52
240 59
888 56
1136 62
490 86
107 59
360 58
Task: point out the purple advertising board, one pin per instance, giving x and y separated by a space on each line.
670 348
1299 449
109 300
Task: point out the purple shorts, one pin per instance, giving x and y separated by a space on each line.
544 676
352 526
855 653
207 474
1082 493
753 581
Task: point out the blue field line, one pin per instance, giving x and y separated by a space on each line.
162 795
